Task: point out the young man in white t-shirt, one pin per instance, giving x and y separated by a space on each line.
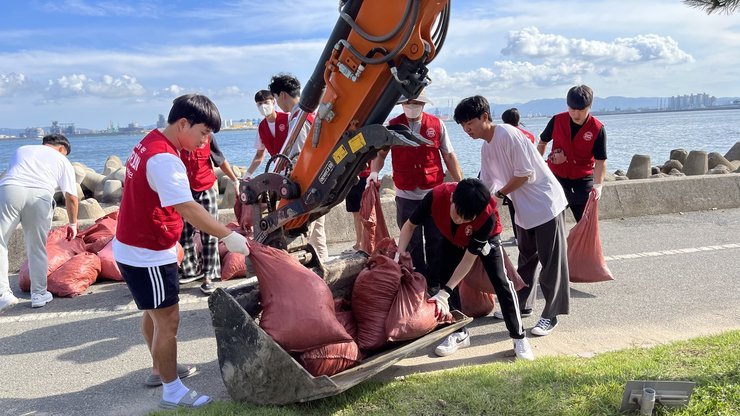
512 167
26 197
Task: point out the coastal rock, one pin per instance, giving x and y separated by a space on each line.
119 175
734 153
639 167
60 214
219 173
238 171
680 155
621 178
89 209
224 183
609 177
696 163
80 193
112 164
229 198
80 173
719 170
387 182
112 191
620 172
735 165
655 170
715 159
658 175
92 181
671 165
676 172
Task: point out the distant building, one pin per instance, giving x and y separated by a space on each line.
161 122
687 102
34 133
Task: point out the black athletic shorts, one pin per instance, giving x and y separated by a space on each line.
152 287
354 196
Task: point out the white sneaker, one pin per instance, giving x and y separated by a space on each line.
522 349
7 301
38 301
453 342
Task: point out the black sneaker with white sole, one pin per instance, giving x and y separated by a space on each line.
207 288
545 326
188 279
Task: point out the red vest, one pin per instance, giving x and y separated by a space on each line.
579 151
273 143
527 134
199 167
142 221
418 167
441 203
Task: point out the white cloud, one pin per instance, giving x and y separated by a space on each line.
11 83
80 84
98 8
173 90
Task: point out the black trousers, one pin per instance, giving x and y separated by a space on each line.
425 242
576 192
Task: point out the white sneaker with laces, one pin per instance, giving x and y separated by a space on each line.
453 342
7 301
545 326
38 301
522 349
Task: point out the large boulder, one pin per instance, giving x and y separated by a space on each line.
229 198
734 153
620 178
680 155
92 181
80 173
89 209
112 164
715 159
655 170
620 172
119 175
60 214
697 163
671 165
609 177
676 172
639 167
719 169
658 175
112 191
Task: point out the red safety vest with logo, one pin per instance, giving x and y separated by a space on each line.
441 203
142 221
527 134
579 151
274 143
418 167
199 167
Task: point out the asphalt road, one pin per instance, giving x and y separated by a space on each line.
677 277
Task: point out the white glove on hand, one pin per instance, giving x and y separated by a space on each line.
71 232
597 190
441 303
236 243
373 177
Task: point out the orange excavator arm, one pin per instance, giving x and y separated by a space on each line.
378 51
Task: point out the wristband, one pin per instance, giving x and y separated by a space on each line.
447 289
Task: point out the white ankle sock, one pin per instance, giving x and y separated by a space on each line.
174 392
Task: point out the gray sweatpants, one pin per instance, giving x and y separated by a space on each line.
32 208
545 243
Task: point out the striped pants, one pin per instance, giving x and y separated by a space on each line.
209 263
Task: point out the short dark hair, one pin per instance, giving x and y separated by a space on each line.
471 198
470 108
511 116
57 139
580 97
263 95
196 109
285 83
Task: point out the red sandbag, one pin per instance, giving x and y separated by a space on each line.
297 305
371 212
411 316
24 277
586 262
222 250
511 272
243 214
233 265
386 247
58 252
475 303
98 235
478 279
372 297
108 266
343 310
330 359
75 276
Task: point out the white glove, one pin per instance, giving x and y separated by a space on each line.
597 190
71 231
373 177
441 303
397 256
236 243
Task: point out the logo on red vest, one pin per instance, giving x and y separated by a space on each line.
469 230
588 136
281 127
431 132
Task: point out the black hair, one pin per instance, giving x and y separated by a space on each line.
580 97
57 139
285 83
196 109
471 198
470 108
511 116
263 95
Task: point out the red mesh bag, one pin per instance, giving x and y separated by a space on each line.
345 317
233 265
58 252
473 302
243 214
99 234
330 359
586 262
478 279
371 212
297 305
372 297
108 266
75 276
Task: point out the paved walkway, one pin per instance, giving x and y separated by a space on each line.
677 277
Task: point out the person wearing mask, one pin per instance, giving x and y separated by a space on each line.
271 132
27 197
578 155
511 116
416 170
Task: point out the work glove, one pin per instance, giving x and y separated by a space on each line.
440 300
373 177
236 243
597 190
71 231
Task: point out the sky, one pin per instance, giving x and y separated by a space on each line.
95 62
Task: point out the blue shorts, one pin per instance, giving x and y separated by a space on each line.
152 287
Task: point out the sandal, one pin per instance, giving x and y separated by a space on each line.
187 401
183 371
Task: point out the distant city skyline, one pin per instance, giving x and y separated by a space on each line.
94 61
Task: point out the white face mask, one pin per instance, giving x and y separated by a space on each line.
266 109
412 111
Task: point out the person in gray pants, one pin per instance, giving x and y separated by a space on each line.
26 197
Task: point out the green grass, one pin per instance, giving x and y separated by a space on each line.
546 386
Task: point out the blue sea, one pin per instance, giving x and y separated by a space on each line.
653 134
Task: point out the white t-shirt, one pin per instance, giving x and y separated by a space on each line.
445 146
509 154
167 176
301 139
40 166
259 144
